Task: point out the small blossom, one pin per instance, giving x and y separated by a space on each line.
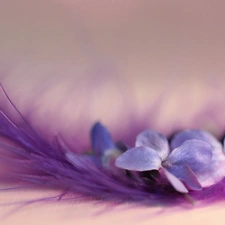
104 154
196 159
104 147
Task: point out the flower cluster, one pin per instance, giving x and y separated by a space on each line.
193 160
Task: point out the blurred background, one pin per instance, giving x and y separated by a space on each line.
130 64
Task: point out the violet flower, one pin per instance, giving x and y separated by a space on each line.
104 154
196 159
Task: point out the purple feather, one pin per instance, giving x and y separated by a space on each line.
26 157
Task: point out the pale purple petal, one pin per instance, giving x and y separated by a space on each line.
194 153
186 175
175 182
215 170
154 140
194 134
139 159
